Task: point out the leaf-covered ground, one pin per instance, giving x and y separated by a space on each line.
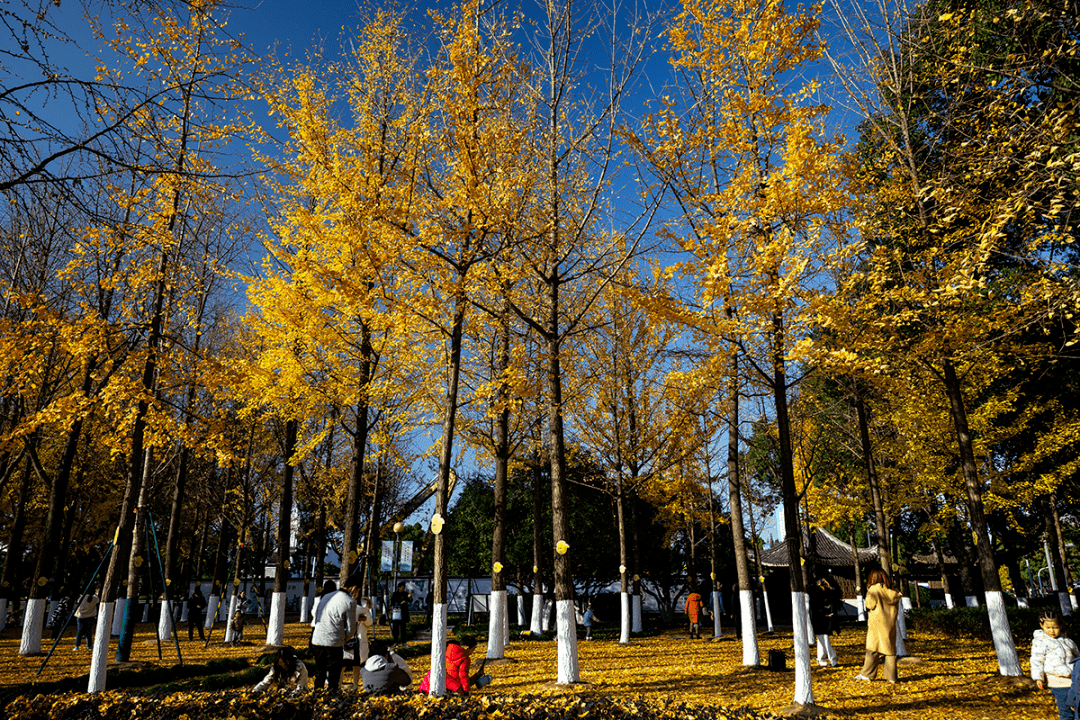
955 678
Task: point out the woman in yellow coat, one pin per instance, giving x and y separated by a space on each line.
882 605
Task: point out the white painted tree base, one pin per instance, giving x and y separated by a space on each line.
717 631
806 619
165 621
624 617
34 618
536 623
305 610
275 624
211 611
1073 601
860 608
949 601
520 604
496 647
768 610
145 613
751 655
99 658
437 678
804 691
1004 646
234 601
635 624
1022 602
545 617
566 635
118 617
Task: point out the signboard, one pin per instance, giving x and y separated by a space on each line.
406 556
387 560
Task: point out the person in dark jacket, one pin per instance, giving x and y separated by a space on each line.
399 614
59 616
824 604
195 606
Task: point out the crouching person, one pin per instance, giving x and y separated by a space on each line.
287 673
385 672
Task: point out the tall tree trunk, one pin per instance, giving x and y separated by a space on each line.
9 593
1004 646
438 625
880 524
1059 540
275 629
536 619
944 575
44 580
498 623
860 603
804 694
320 550
1057 569
349 543
751 656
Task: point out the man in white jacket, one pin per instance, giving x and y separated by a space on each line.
333 622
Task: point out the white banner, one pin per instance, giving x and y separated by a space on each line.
387 564
406 556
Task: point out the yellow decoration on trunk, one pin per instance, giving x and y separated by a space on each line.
561 547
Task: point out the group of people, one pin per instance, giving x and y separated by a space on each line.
341 639
825 600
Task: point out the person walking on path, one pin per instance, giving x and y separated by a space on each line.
693 612
334 622
588 620
195 606
823 606
882 605
1052 658
85 616
399 614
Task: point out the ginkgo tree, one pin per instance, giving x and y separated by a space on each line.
963 217
624 405
740 146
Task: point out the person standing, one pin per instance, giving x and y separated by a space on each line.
59 616
693 612
1052 658
399 614
823 608
85 616
882 605
333 623
195 606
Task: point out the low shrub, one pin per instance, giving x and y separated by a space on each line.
974 622
346 706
